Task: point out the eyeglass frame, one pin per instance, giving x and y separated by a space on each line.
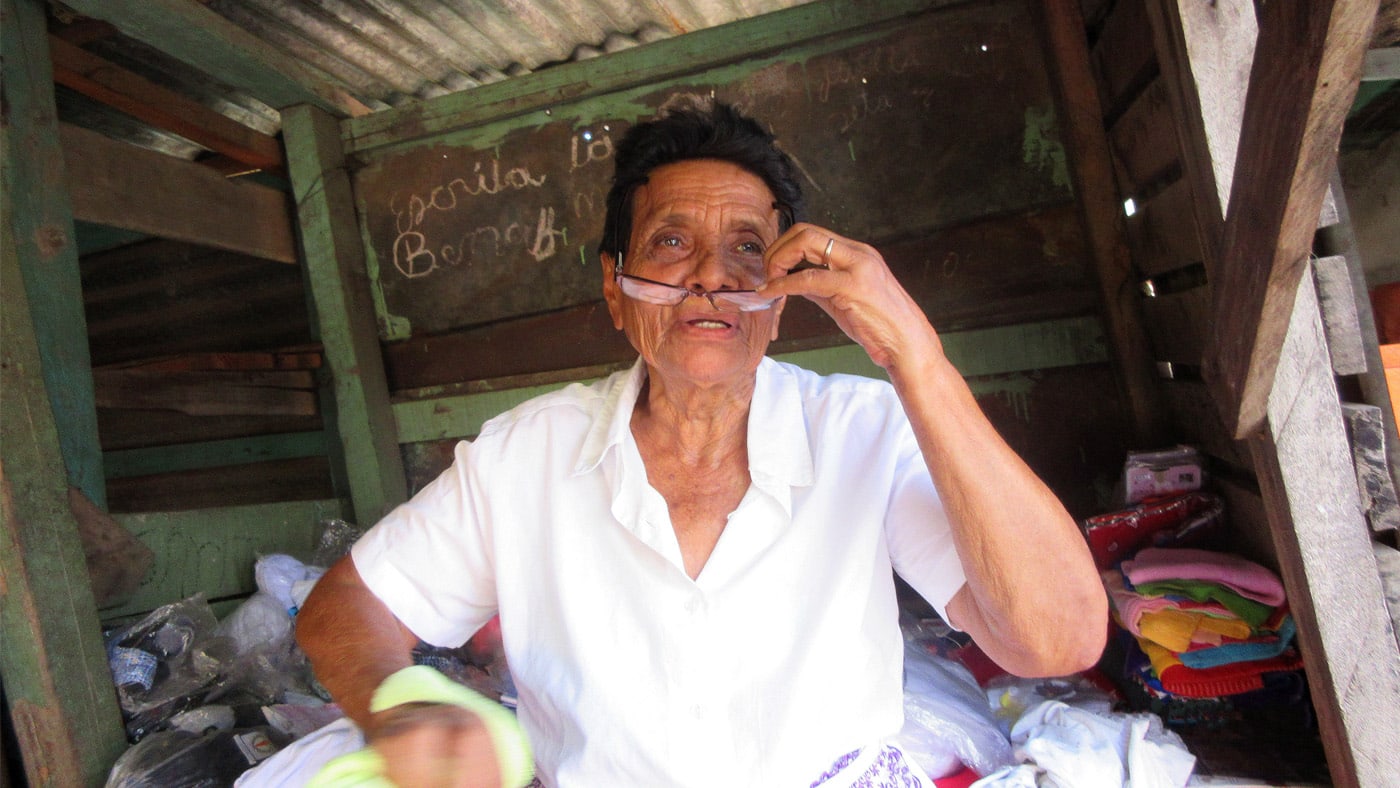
740 300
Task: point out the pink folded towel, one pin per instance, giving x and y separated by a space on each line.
1246 578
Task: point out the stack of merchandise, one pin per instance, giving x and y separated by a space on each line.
1204 625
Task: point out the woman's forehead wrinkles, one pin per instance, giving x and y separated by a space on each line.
684 211
697 191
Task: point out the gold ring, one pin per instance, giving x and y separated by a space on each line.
826 254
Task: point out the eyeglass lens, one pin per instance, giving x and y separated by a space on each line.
671 295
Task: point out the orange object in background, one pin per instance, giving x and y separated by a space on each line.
1390 359
1385 305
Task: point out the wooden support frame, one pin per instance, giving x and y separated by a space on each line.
1286 155
121 185
56 678
163 108
339 288
1206 52
198 36
1068 56
978 352
39 219
1324 547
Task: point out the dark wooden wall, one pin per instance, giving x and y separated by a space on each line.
937 136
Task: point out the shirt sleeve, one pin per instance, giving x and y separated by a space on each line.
920 539
430 559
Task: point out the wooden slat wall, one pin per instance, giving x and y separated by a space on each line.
1163 236
1289 489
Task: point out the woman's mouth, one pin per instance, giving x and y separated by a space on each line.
709 323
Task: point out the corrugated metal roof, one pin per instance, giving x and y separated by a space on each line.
389 53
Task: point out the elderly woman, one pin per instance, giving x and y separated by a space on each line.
693 560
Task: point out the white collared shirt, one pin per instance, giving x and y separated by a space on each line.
781 656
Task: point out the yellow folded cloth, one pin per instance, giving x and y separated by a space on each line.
1178 629
422 684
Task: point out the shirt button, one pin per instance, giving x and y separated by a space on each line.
692 606
698 711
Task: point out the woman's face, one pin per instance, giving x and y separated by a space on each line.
701 224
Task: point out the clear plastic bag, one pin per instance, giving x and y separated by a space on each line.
336 538
947 720
181 759
166 663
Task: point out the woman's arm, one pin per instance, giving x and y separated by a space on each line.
354 643
1033 600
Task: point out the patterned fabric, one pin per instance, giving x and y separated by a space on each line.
885 767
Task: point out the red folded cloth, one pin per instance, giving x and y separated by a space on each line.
1228 679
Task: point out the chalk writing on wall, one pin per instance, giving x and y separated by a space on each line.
919 127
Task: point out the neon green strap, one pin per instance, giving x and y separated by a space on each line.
422 684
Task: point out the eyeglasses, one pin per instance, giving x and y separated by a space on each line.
654 292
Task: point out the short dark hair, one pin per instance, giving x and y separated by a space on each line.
692 131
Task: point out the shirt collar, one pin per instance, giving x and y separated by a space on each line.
780 455
614 421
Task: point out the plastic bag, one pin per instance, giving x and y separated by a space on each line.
259 620
166 663
947 721
181 759
336 538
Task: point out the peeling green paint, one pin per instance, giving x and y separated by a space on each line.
1041 147
391 327
1014 389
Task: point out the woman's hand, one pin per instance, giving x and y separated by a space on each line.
435 745
851 282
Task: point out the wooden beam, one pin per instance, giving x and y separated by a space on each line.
214 454
37 215
340 291
123 186
98 79
193 34
1309 487
210 393
1205 51
1307 65
978 352
57 683
1346 343
1067 57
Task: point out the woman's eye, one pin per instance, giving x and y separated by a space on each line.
751 247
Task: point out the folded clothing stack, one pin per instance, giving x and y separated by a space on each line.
1203 624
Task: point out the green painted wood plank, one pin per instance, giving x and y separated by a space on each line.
38 215
344 313
57 684
213 550
643 65
213 454
977 353
193 34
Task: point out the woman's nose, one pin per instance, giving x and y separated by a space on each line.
711 271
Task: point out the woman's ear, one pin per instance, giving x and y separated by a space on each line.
611 294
